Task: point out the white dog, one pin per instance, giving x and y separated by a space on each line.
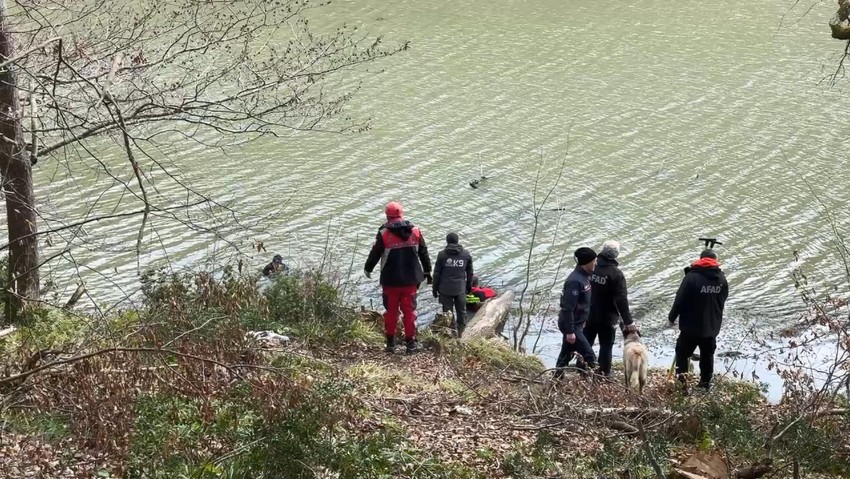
635 362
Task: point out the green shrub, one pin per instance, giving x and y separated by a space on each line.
820 446
303 298
50 427
725 416
311 308
620 454
490 354
178 295
534 460
48 328
269 431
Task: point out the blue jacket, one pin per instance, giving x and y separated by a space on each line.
575 301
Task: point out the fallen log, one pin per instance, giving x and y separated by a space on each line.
75 297
490 320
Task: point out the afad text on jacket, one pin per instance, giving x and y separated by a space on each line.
701 299
609 301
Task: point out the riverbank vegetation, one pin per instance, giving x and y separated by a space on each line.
178 389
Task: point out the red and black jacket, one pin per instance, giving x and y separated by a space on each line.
401 250
483 294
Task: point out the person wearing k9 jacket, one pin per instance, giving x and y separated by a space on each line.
453 279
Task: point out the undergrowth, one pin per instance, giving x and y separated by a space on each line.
192 396
157 411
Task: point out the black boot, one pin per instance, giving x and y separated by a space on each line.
459 329
684 388
390 344
704 386
412 346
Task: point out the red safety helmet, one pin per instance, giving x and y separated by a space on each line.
394 210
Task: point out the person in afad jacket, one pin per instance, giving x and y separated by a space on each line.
609 305
575 308
699 306
453 279
401 250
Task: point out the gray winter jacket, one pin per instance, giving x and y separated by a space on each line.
453 271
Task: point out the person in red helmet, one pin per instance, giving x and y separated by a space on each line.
401 250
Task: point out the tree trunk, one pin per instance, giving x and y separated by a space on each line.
490 320
16 171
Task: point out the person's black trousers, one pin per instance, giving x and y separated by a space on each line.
580 346
606 334
458 303
685 347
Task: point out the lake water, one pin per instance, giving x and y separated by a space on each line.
678 119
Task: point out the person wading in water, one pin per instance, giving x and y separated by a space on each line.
276 266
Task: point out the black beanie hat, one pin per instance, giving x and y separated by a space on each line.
451 238
584 256
708 253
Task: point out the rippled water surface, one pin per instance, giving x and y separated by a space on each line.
685 118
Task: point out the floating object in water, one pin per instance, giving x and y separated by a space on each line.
711 242
474 183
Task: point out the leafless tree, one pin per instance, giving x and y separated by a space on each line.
80 77
529 307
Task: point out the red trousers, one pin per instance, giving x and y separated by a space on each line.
403 297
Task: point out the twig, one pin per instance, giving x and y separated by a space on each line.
27 52
646 447
623 426
137 170
560 423
810 415
518 339
198 328
25 374
104 217
33 124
